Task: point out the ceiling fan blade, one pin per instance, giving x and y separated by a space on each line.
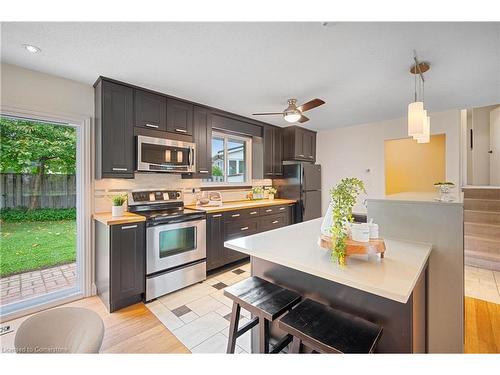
311 104
267 113
303 119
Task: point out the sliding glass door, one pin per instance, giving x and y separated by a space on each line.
40 251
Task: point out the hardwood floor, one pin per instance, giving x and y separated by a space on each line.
133 329
136 330
482 326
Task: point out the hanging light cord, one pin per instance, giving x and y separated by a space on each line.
417 70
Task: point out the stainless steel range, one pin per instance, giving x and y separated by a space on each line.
175 241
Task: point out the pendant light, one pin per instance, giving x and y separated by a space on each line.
418 121
416 116
426 136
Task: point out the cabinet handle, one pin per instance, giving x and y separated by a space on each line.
120 169
235 215
302 156
202 171
218 215
129 227
269 173
311 157
244 228
282 208
275 221
253 213
181 130
152 126
278 173
269 210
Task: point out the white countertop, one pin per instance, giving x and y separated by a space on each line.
419 197
296 247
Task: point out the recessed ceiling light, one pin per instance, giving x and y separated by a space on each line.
32 49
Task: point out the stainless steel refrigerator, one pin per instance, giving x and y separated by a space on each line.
302 182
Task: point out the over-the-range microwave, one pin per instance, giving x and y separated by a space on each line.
165 155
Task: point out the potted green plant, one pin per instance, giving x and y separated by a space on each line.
257 192
270 192
117 208
343 198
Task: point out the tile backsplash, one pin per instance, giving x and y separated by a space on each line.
105 188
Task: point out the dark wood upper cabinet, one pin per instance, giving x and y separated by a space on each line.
114 130
150 110
123 111
273 152
309 145
299 144
268 152
278 152
202 136
179 117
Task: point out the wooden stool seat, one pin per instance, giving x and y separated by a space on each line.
327 330
266 302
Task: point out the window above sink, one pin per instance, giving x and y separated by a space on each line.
231 160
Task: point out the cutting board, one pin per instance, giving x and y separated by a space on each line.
374 246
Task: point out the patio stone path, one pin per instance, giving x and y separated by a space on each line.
35 283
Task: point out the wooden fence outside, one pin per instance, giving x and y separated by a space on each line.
18 191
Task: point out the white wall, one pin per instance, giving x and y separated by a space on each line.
358 151
34 91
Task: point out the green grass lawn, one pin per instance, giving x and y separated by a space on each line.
28 246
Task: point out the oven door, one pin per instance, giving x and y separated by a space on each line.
173 245
164 155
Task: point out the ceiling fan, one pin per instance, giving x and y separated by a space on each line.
293 113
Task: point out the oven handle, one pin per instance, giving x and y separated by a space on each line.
193 222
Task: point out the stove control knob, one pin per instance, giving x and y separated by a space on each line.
178 195
165 196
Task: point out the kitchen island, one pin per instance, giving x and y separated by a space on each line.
390 291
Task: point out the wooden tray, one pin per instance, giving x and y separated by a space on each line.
374 246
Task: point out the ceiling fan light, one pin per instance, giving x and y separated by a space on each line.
292 116
416 119
426 137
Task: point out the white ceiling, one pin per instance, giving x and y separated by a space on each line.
359 69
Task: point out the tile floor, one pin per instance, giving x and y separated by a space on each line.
482 284
199 314
35 283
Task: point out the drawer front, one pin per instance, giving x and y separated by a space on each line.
235 215
273 221
240 228
171 281
271 210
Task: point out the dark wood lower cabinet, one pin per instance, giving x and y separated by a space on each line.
215 241
239 223
120 264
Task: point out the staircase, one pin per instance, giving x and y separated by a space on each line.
482 227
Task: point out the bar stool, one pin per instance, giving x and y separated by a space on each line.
327 330
266 302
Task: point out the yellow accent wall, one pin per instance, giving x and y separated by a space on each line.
412 166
